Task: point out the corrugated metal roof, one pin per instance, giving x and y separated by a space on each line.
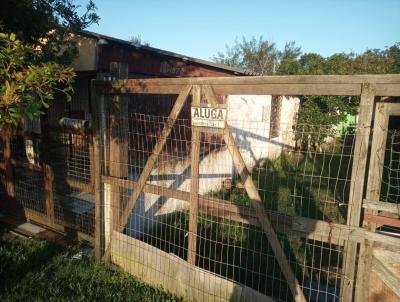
162 52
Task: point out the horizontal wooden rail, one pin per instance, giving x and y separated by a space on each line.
332 233
76 184
382 220
388 207
386 85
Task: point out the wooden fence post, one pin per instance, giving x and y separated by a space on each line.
8 166
97 110
357 186
117 109
374 182
48 173
194 189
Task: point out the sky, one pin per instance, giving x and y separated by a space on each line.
202 28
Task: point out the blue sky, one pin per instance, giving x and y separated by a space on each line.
202 28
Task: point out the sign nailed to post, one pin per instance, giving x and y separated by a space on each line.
204 116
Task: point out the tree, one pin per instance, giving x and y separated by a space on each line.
257 55
27 88
317 114
289 59
35 51
137 40
47 24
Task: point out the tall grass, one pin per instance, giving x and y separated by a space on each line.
310 186
36 270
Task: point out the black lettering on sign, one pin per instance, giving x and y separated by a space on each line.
208 117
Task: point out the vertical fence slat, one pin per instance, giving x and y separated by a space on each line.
48 173
357 185
194 188
375 171
97 102
8 166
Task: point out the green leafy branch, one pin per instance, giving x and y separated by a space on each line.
26 88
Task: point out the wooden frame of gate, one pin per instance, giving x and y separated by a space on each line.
368 87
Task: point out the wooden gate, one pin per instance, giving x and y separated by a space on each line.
118 193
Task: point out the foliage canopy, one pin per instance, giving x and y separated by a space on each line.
36 50
317 114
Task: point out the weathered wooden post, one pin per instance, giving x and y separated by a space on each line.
48 172
194 188
357 186
117 152
97 101
7 165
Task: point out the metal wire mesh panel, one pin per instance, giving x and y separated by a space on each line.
391 169
73 190
29 190
298 184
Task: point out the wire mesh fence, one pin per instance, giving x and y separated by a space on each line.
296 183
266 217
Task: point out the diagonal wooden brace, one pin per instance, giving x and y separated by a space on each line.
256 203
176 110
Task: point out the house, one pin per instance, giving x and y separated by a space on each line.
262 125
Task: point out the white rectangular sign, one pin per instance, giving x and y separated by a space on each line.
208 117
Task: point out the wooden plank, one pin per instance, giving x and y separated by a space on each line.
256 203
378 146
382 220
313 229
194 185
48 173
386 275
393 108
59 226
357 185
158 268
257 89
247 80
382 206
98 109
374 182
386 85
118 160
76 184
207 205
7 163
